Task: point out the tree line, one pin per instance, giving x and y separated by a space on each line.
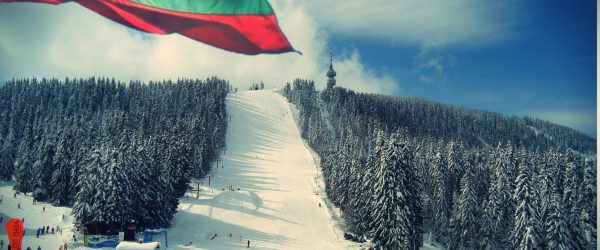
114 151
400 167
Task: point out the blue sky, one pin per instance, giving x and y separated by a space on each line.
544 67
523 57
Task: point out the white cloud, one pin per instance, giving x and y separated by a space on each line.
351 68
421 22
431 64
71 41
432 25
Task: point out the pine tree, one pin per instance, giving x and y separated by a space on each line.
117 205
355 203
572 198
42 170
368 182
526 230
589 203
500 207
388 216
467 218
557 234
60 182
87 183
441 199
393 226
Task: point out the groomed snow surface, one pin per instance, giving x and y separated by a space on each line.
276 206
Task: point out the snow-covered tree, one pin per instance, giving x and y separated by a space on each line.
88 181
499 209
527 228
441 198
393 215
589 203
572 198
557 234
467 226
61 177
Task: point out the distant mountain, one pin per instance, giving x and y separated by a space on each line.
429 119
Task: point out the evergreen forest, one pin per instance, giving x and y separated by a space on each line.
113 151
398 167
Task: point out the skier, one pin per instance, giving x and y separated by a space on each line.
66 246
248 244
37 235
19 205
52 230
319 204
47 229
43 230
44 209
39 248
28 248
1 244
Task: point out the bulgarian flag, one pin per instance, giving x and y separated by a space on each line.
242 26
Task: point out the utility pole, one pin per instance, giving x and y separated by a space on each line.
235 98
198 191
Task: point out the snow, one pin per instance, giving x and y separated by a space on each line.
276 206
135 246
537 132
35 218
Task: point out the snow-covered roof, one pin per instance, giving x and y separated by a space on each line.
126 245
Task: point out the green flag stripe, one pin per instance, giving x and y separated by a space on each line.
223 7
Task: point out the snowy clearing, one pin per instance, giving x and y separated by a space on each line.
276 206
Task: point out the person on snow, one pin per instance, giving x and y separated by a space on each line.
39 248
28 248
44 209
66 246
37 235
47 229
19 205
1 244
319 204
52 230
248 244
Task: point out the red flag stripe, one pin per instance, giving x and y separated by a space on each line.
241 33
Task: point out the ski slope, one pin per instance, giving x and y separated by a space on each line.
36 217
276 206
